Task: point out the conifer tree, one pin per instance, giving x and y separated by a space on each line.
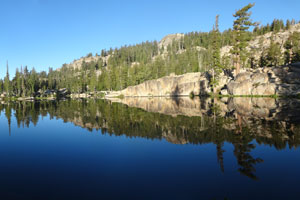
216 55
1 86
292 46
23 92
287 25
240 27
6 81
273 56
92 81
18 82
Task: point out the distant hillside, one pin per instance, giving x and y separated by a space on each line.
260 44
104 58
174 54
269 45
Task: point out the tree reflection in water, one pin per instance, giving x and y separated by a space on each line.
180 121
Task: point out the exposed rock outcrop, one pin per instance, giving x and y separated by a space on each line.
182 85
247 83
281 81
168 39
260 43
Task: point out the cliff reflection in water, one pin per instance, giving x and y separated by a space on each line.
238 121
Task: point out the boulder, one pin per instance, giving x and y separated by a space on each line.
243 76
264 89
242 88
230 87
292 78
259 78
288 89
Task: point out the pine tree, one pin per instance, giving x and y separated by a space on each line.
18 82
216 55
287 25
124 77
92 81
1 86
240 27
292 46
6 81
32 81
23 92
273 56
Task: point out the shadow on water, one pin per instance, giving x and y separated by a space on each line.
239 121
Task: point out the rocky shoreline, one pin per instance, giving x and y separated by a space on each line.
280 81
268 81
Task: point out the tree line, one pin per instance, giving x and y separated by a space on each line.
116 69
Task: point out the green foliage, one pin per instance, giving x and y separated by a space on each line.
7 82
1 86
116 69
216 55
273 55
241 36
292 46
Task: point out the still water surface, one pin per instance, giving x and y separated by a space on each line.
150 149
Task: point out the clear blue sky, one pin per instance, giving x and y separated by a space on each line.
44 33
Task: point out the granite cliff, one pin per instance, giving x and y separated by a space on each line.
268 81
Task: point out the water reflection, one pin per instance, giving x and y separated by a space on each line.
243 122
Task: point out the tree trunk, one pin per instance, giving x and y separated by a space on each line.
238 64
213 85
291 55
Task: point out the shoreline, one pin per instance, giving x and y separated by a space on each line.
162 96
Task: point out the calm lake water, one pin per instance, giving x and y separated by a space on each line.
150 149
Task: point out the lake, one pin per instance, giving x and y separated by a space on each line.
157 148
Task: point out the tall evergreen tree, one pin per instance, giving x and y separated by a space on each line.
18 82
7 81
292 46
1 86
287 25
216 55
273 56
240 26
23 92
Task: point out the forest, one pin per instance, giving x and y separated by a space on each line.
116 69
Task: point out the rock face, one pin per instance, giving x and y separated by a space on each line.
261 43
281 81
247 83
168 39
163 44
182 85
240 88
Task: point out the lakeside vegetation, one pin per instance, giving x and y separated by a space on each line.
116 69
